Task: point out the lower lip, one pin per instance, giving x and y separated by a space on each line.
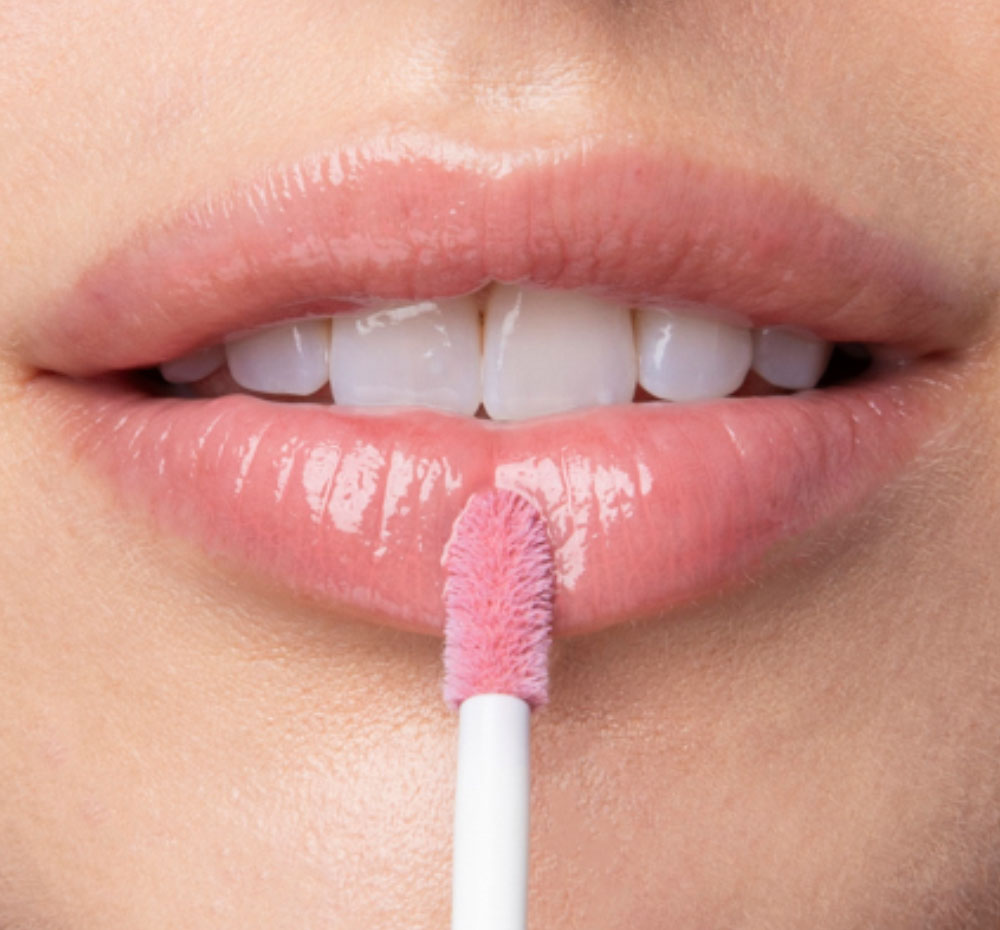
647 505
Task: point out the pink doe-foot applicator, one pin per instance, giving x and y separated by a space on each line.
498 621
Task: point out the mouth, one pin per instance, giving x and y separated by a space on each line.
680 365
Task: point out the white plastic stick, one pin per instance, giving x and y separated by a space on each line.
490 869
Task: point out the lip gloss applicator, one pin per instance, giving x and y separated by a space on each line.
498 624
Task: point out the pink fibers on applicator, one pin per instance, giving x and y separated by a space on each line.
498 597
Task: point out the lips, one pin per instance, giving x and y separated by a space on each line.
647 504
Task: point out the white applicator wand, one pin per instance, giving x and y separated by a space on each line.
498 619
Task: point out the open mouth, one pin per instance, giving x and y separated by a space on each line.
492 354
683 367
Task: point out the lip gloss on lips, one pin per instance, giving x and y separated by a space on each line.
647 504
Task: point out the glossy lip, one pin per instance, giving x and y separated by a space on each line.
647 505
412 218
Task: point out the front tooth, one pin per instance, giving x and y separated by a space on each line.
423 354
547 352
690 357
287 359
790 358
194 366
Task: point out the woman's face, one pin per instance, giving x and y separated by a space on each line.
201 727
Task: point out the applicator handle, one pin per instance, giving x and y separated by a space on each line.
490 869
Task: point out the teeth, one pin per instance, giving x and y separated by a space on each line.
790 358
286 359
193 367
690 358
424 354
535 353
547 352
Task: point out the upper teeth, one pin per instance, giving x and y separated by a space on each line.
288 359
531 365
688 357
790 358
424 354
535 352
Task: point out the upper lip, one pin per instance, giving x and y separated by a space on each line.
388 220
647 505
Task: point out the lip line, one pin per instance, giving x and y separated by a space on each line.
324 228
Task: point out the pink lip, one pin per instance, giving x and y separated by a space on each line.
647 505
386 221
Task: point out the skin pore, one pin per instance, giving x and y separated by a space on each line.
185 744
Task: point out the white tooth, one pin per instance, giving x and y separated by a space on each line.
690 357
790 358
194 366
287 359
549 351
422 354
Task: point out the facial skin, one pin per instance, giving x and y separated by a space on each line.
184 745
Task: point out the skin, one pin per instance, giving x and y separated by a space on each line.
186 746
